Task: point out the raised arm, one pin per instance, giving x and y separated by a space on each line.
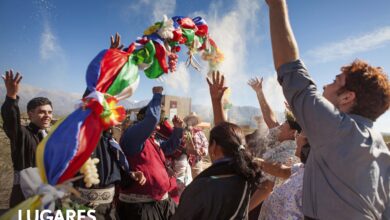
268 114
133 139
275 169
217 89
10 110
298 88
284 45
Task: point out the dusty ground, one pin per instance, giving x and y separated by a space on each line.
6 172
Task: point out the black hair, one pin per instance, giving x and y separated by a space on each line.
230 137
36 102
305 151
295 126
292 122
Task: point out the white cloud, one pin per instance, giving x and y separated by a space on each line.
50 50
158 8
49 47
350 46
179 80
232 31
274 93
163 7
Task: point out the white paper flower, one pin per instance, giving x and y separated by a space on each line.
166 29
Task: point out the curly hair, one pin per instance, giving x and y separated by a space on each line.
230 137
371 87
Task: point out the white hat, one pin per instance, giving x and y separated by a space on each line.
192 119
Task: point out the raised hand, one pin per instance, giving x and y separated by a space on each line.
216 86
116 42
177 122
256 84
157 90
12 83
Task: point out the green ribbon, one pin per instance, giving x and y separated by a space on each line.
127 76
189 34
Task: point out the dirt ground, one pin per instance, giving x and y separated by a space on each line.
6 172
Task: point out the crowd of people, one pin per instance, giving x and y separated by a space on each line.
324 161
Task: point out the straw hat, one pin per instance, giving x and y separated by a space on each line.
192 119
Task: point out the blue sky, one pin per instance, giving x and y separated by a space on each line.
52 42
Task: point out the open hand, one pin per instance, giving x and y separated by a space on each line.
116 42
256 84
216 86
177 122
12 83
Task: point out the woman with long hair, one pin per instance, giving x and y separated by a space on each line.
223 190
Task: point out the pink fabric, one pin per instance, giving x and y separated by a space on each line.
201 146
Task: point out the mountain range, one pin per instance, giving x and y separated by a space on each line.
65 102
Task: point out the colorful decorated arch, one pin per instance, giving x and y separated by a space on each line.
114 75
111 76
